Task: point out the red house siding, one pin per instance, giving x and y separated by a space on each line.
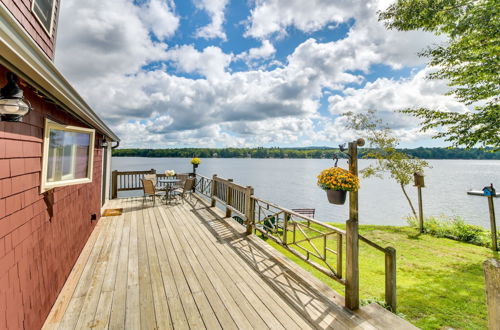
37 252
21 10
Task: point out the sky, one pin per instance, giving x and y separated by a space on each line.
245 73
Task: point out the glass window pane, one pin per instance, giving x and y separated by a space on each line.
68 155
44 10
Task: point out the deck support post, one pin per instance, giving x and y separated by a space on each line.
229 199
352 235
249 210
492 281
390 278
213 191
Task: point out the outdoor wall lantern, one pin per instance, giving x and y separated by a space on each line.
12 105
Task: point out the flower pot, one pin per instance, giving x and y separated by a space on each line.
336 196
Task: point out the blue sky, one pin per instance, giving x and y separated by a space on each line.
166 73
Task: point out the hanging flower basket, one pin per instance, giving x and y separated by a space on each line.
337 182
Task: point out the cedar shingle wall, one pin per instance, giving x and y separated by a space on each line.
37 253
21 9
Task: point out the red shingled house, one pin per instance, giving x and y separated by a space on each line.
54 166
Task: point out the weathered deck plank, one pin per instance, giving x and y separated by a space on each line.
183 266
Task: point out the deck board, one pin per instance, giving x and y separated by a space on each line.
184 266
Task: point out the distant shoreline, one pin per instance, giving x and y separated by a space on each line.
301 153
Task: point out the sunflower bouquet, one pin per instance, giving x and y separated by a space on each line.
336 178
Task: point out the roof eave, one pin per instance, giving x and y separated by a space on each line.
23 56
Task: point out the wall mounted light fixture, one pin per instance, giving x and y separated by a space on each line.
12 105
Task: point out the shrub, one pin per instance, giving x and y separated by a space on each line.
454 228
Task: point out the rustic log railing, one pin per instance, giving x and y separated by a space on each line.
305 237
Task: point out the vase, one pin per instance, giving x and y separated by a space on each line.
336 196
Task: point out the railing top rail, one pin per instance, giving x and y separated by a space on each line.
372 244
231 184
133 172
338 230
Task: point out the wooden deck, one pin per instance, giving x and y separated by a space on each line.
184 266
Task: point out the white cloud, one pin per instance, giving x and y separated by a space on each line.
158 15
367 38
389 95
215 9
265 51
107 38
105 52
274 16
211 62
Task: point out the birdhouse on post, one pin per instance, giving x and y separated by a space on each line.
419 179
489 190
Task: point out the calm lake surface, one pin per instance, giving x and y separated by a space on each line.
292 183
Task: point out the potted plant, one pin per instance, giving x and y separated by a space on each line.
337 182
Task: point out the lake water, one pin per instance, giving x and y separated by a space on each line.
292 183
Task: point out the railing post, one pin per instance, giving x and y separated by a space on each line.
229 198
249 210
390 278
492 281
213 190
114 184
285 226
352 236
339 255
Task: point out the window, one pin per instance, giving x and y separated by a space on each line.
44 11
67 155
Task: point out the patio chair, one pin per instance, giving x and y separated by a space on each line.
182 180
186 190
150 190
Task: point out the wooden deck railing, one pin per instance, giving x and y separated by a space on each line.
306 238
130 180
316 243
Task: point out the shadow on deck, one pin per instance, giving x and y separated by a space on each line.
185 266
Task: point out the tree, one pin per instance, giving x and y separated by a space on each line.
469 60
383 142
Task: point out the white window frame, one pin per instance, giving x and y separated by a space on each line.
51 27
49 125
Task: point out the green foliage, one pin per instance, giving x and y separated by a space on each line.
400 166
468 60
454 228
323 152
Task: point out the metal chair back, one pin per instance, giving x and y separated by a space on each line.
151 177
148 186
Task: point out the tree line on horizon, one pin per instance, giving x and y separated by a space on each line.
318 153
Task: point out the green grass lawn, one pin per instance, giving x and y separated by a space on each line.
440 282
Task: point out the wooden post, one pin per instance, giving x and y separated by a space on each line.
229 199
390 278
420 211
249 210
114 184
494 243
492 281
213 190
339 255
285 226
352 236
